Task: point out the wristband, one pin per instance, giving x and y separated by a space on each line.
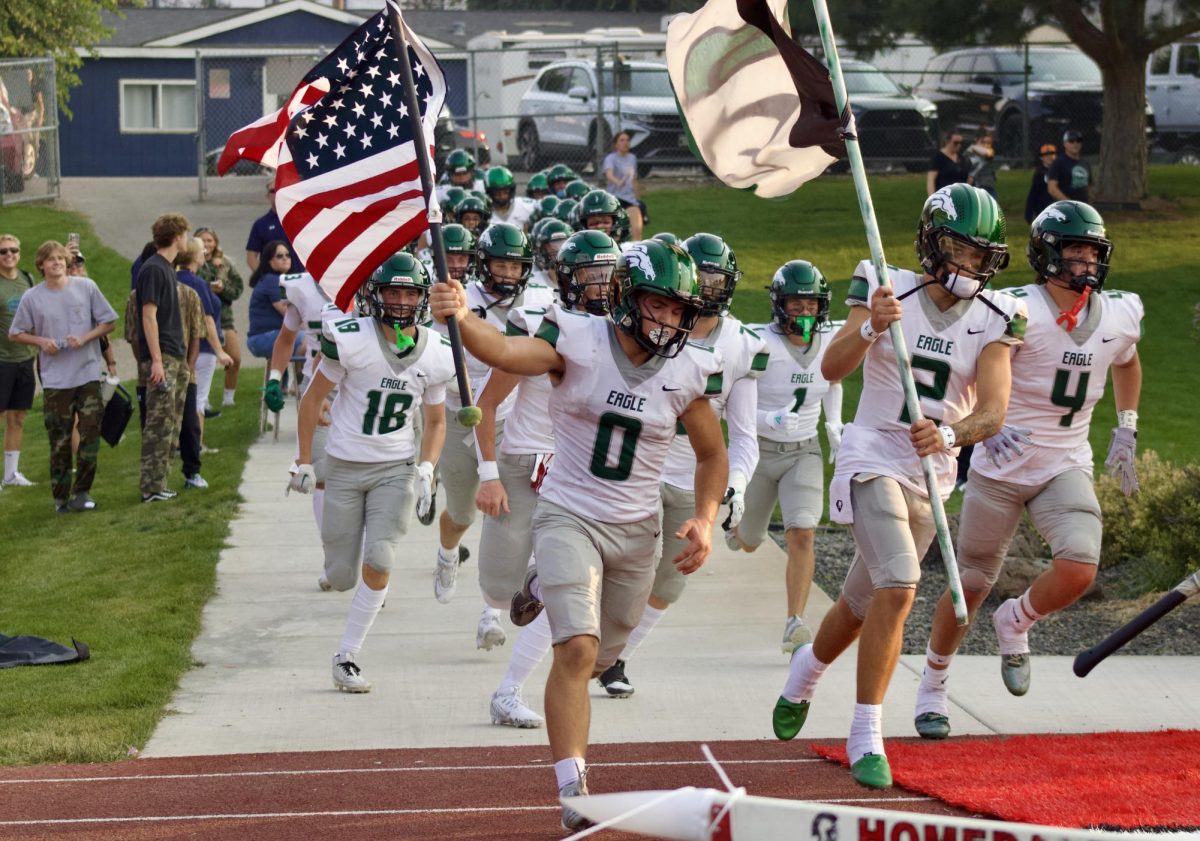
275 375
1127 419
488 471
869 333
948 437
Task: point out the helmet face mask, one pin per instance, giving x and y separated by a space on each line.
600 210
584 269
537 187
547 238
503 259
397 293
800 281
460 166
460 250
557 178
716 270
655 298
961 239
1055 240
499 185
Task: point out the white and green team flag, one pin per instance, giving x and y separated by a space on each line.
759 109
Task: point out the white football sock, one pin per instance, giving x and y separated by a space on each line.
10 462
1025 615
569 770
448 555
494 612
227 400
530 649
318 499
803 673
931 693
650 618
866 733
364 607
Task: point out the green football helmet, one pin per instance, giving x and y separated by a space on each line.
599 204
667 237
537 186
564 209
586 259
544 208
577 189
651 267
962 218
458 240
799 279
1062 224
496 180
400 271
547 237
472 204
716 269
501 240
460 161
453 196
557 177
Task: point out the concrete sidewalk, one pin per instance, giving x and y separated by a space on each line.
711 670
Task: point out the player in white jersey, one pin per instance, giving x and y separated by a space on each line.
547 237
790 467
387 369
584 273
459 171
619 388
1041 461
745 359
503 260
507 206
959 339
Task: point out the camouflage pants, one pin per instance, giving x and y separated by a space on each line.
60 408
164 415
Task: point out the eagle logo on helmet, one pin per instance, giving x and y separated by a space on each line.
1055 213
485 239
638 257
943 201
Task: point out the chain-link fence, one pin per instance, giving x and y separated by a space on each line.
29 168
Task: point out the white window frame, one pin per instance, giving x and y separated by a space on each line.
158 84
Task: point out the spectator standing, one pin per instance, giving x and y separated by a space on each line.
16 360
63 317
1070 177
187 429
981 156
620 174
948 165
223 279
187 263
161 353
1039 196
265 229
267 306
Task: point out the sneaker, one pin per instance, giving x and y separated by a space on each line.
18 480
525 608
872 771
158 496
210 412
614 681
1014 649
572 821
168 493
1015 672
82 502
347 676
795 634
489 634
445 575
932 726
196 482
509 709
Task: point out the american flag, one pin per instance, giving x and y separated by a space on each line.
348 187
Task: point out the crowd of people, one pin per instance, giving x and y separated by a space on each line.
603 366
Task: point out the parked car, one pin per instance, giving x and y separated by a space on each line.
449 135
894 127
986 86
570 111
1173 89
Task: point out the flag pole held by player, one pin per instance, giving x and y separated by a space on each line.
469 415
875 242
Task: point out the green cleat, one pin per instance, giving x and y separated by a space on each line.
788 717
1014 669
932 726
872 771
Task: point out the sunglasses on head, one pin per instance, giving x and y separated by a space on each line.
10 251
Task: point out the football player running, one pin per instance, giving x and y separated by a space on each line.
959 338
503 262
510 478
1041 462
386 369
600 210
745 359
619 389
791 395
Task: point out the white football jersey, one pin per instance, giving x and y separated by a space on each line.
943 349
311 305
494 313
613 423
1058 377
442 186
793 380
528 429
518 213
744 356
379 394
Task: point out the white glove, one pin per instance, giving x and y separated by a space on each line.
304 479
424 488
833 432
783 420
735 498
1121 464
1006 444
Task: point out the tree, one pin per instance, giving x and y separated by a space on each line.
33 28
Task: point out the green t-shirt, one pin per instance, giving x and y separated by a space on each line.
10 295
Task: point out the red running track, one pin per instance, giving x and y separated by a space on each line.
442 793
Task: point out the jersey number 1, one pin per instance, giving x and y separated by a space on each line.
393 415
631 428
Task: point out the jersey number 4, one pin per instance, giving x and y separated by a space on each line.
392 417
1074 402
630 428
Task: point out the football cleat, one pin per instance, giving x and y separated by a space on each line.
489 634
795 634
614 681
932 726
347 677
572 821
872 771
509 709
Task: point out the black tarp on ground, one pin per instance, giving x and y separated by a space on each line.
35 651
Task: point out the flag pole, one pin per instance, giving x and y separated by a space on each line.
875 241
469 415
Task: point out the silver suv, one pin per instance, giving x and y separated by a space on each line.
571 112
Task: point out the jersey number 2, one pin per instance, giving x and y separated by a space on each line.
631 428
391 418
935 390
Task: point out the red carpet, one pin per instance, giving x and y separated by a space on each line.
1114 780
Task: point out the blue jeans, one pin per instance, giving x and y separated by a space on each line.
261 344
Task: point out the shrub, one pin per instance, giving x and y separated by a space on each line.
1157 530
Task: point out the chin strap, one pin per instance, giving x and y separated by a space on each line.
1069 319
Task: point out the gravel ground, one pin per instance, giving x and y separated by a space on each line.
1068 632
